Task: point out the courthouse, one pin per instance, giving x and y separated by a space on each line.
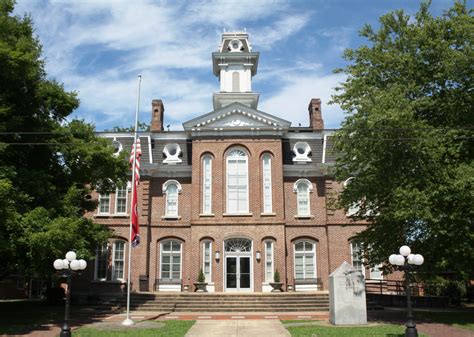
239 193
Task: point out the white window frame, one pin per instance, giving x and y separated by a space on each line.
165 191
206 185
309 186
126 189
304 253
101 197
96 264
359 260
114 248
270 278
267 183
245 209
171 259
208 276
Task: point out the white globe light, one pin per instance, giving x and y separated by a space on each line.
83 264
65 264
75 264
391 258
399 260
58 264
405 250
410 258
70 256
418 259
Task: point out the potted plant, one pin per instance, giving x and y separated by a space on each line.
277 285
201 283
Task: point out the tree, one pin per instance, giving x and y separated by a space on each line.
48 164
142 126
408 138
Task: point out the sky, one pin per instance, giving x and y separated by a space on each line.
98 49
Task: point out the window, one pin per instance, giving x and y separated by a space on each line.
170 260
267 183
101 262
118 261
104 203
235 82
302 188
356 251
237 182
171 188
305 260
110 261
206 184
121 200
206 260
268 261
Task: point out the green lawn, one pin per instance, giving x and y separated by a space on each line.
460 319
323 330
171 329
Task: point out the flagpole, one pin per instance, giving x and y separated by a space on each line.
128 320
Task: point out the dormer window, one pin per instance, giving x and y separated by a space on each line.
235 46
117 147
301 150
172 153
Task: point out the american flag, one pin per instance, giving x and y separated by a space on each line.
136 151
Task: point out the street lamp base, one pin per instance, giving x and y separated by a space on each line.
411 332
128 322
65 331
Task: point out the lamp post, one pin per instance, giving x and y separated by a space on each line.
68 266
405 261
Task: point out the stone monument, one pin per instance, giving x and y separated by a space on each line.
347 296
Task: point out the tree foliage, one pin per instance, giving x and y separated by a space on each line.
48 164
408 137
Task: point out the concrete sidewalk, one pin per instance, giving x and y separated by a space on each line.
238 328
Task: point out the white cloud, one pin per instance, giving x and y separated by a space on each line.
296 93
169 43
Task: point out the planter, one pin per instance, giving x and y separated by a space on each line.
277 287
200 287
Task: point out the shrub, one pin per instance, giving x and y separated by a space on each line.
201 277
55 295
276 276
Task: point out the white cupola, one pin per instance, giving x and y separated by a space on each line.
235 64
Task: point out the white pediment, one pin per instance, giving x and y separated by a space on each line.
236 116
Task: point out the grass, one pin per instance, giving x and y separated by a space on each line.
171 329
316 329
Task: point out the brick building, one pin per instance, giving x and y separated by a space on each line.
239 194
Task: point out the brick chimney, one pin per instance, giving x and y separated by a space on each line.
157 111
315 118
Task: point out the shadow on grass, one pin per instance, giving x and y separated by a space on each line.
458 317
25 316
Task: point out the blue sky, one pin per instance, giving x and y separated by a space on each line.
98 48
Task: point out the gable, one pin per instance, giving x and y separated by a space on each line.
236 116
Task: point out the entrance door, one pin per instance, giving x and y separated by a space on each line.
238 273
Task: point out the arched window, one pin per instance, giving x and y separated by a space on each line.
121 199
170 266
171 188
207 184
302 188
267 183
269 261
305 260
235 81
237 182
207 260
